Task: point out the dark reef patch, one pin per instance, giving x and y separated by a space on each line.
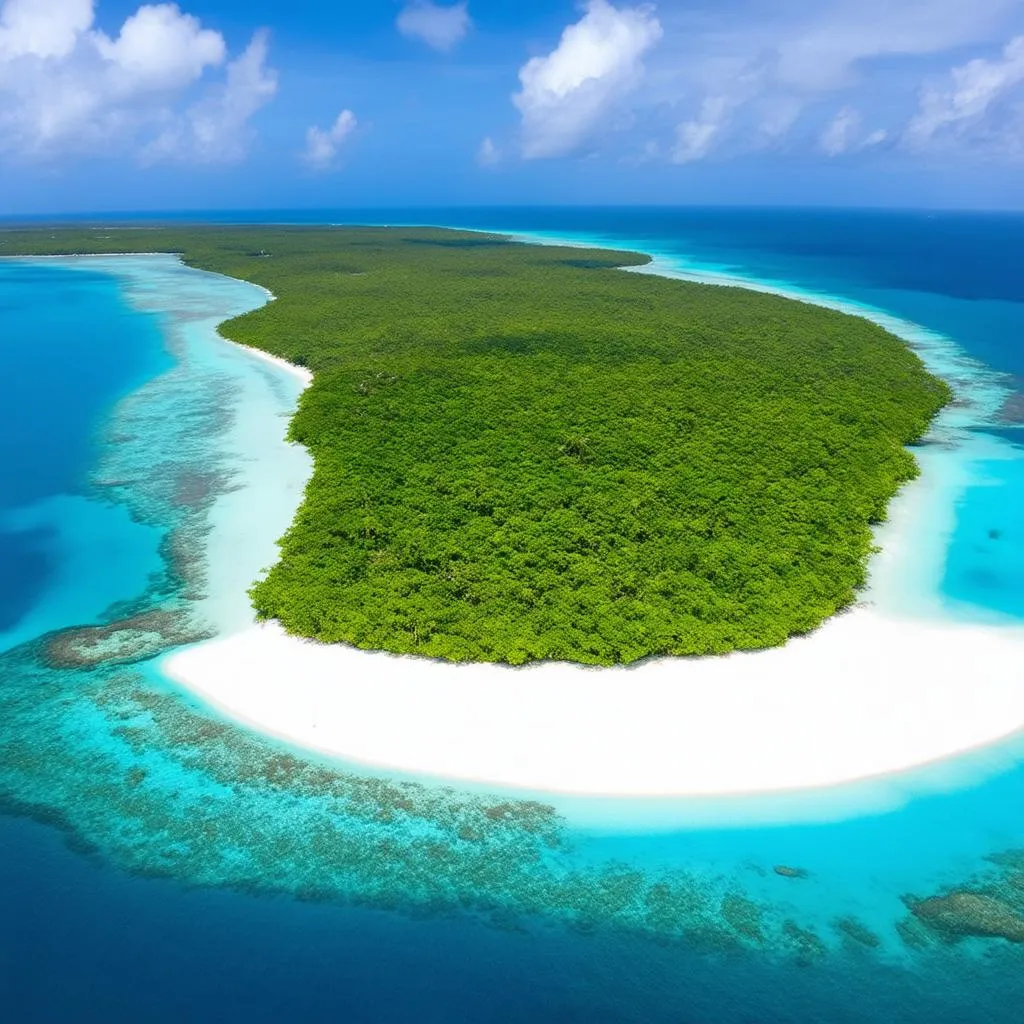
857 932
1012 411
969 914
785 871
123 642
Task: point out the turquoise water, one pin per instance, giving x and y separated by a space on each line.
162 863
71 348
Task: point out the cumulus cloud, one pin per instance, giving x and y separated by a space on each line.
569 97
695 138
216 128
66 86
438 26
159 47
42 28
488 154
322 145
972 90
747 83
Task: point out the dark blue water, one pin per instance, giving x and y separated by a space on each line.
83 940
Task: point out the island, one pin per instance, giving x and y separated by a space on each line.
524 454
547 521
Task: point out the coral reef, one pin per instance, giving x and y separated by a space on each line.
1012 412
789 872
961 914
857 931
124 641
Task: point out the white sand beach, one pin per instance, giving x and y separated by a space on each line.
894 683
875 691
299 372
864 696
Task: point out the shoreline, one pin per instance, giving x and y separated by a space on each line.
299 372
864 698
267 473
869 695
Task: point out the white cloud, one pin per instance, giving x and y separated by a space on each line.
837 137
694 139
67 87
825 51
973 89
569 96
771 118
322 146
160 47
749 80
42 28
843 134
488 154
216 129
730 79
436 25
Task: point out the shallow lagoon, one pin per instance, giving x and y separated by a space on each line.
545 917
72 347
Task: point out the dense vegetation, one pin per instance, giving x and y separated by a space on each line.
523 454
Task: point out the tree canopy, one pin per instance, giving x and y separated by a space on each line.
522 453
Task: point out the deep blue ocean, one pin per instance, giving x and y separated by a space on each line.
159 865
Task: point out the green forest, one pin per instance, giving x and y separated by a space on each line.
523 453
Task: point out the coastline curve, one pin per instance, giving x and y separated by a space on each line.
875 691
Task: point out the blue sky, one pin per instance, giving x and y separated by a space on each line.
111 105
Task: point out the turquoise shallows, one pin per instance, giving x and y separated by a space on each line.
417 901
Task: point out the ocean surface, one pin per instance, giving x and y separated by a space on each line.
159 863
